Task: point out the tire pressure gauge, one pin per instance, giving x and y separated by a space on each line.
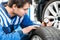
46 20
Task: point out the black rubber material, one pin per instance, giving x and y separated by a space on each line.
47 33
40 8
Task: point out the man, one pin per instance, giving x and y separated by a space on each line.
14 22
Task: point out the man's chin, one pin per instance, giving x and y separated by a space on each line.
21 15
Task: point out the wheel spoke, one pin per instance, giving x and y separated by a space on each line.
52 11
56 23
46 13
52 22
56 6
59 25
36 38
50 17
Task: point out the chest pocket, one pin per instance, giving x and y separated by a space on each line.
8 29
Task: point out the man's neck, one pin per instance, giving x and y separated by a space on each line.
10 11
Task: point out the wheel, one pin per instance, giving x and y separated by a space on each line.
36 37
51 11
45 33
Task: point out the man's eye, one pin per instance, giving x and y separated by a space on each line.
26 9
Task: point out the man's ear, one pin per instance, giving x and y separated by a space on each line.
14 6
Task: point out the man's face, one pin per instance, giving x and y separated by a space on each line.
22 11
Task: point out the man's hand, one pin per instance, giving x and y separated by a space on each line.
28 29
46 24
49 24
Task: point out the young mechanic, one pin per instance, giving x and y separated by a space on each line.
14 22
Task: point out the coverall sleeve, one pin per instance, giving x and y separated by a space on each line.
27 22
16 35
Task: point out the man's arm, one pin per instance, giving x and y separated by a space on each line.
16 35
27 22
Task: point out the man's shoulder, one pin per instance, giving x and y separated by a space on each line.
1 5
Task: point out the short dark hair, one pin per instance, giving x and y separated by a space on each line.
19 3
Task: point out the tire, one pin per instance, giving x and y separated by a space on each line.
45 33
56 30
40 8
